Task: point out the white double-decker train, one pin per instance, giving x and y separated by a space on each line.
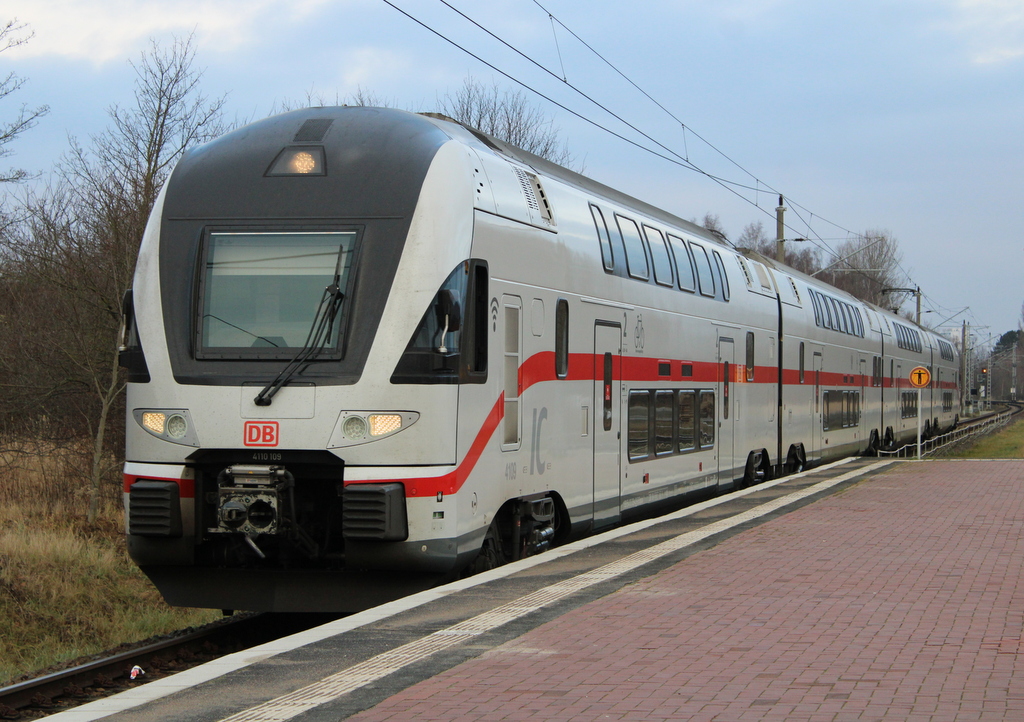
370 350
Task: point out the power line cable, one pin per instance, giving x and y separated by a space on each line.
646 94
683 160
680 160
684 127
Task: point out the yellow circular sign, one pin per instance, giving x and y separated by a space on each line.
920 377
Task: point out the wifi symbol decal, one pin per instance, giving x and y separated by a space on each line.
494 314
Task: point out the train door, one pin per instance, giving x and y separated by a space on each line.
512 360
727 416
816 425
861 402
901 409
607 436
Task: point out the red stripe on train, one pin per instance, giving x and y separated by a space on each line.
540 368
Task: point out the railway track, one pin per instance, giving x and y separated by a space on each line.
983 423
110 672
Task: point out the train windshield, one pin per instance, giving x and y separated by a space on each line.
261 291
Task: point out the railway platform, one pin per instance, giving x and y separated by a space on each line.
863 590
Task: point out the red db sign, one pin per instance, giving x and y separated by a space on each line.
260 433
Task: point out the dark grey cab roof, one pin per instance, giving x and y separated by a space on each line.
376 160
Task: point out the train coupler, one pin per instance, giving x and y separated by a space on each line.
250 499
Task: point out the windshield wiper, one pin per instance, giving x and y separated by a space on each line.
317 339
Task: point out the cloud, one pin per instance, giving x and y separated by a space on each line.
992 29
99 31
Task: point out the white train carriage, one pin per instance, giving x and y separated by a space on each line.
370 350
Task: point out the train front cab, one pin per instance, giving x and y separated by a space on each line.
226 497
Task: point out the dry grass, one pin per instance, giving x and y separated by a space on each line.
68 589
1007 443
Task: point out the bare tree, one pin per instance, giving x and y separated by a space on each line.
508 116
26 117
504 114
713 223
82 238
865 265
315 99
802 258
755 239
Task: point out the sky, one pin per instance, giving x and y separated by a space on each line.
901 116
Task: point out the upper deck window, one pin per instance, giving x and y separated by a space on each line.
261 291
602 236
636 256
704 274
836 314
684 266
660 256
908 338
720 265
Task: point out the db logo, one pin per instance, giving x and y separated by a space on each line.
261 433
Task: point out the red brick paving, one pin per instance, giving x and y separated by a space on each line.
899 598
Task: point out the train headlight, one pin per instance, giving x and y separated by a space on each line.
173 425
361 427
384 424
354 427
154 421
177 426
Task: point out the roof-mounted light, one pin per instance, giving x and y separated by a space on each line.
299 160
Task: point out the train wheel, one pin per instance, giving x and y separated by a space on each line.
756 469
873 444
491 554
796 461
749 472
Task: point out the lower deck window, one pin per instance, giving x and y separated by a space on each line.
707 419
841 410
687 419
665 422
664 412
909 404
639 425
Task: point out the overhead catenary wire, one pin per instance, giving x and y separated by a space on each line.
680 159
646 94
558 104
554 34
672 156
684 128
